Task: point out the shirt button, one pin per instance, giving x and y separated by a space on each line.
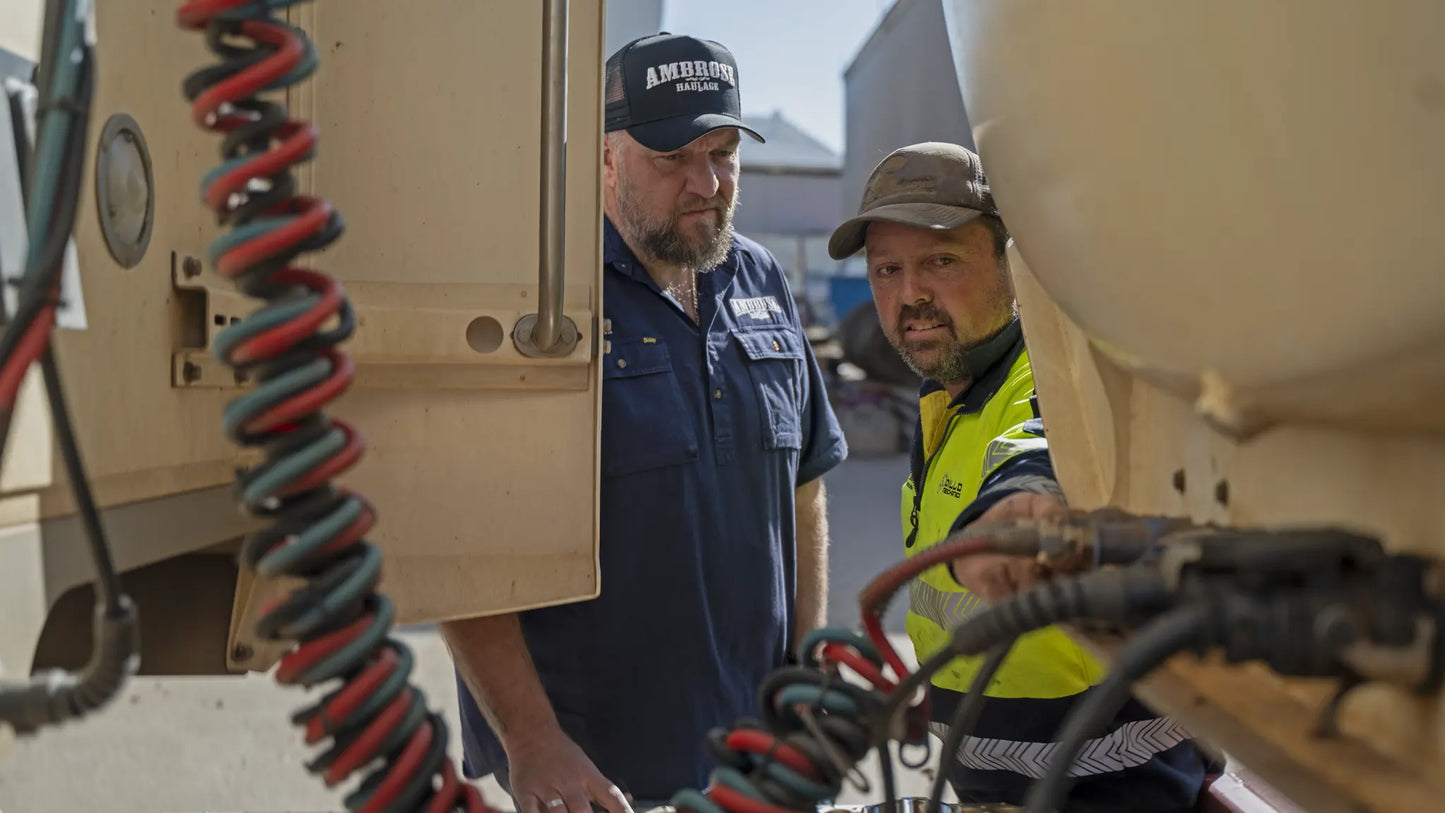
717 394
622 362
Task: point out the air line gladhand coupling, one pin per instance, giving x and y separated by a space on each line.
816 727
1306 602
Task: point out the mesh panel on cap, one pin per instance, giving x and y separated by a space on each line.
615 93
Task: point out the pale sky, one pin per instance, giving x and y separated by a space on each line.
791 53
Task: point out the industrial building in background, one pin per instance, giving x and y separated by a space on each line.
900 89
790 200
629 19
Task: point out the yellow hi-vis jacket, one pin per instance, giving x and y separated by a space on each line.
962 442
1143 761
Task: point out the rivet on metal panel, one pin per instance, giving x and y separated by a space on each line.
191 267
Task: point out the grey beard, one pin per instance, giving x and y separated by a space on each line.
951 368
664 244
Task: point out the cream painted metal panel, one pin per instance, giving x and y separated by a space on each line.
1239 200
1227 261
430 148
482 463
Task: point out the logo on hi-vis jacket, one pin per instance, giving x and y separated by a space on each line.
951 487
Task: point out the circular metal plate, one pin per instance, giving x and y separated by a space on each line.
124 190
522 338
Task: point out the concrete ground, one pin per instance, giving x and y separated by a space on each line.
185 745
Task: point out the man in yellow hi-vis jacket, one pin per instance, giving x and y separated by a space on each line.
935 245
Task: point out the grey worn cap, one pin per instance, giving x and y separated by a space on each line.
933 185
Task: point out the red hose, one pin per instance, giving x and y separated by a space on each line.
838 653
249 81
310 400
338 619
313 217
27 350
400 773
874 598
763 743
351 696
364 748
277 340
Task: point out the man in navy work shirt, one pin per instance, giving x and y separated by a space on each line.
715 431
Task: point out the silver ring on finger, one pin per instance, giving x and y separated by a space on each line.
555 803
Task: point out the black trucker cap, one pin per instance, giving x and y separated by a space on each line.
667 90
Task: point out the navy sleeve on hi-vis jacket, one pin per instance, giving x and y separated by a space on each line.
1030 471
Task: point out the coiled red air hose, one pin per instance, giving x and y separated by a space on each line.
378 724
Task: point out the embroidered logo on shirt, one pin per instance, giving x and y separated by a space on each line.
760 308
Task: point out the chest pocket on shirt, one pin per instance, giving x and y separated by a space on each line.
775 364
645 422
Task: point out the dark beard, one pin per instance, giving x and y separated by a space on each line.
956 362
663 243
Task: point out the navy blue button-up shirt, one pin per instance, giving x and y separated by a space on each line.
707 429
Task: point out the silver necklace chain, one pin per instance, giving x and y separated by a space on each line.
680 295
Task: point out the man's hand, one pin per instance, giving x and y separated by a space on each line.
548 766
995 576
544 765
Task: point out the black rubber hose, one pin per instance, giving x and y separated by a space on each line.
885 766
1114 595
55 696
108 583
965 717
1166 635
